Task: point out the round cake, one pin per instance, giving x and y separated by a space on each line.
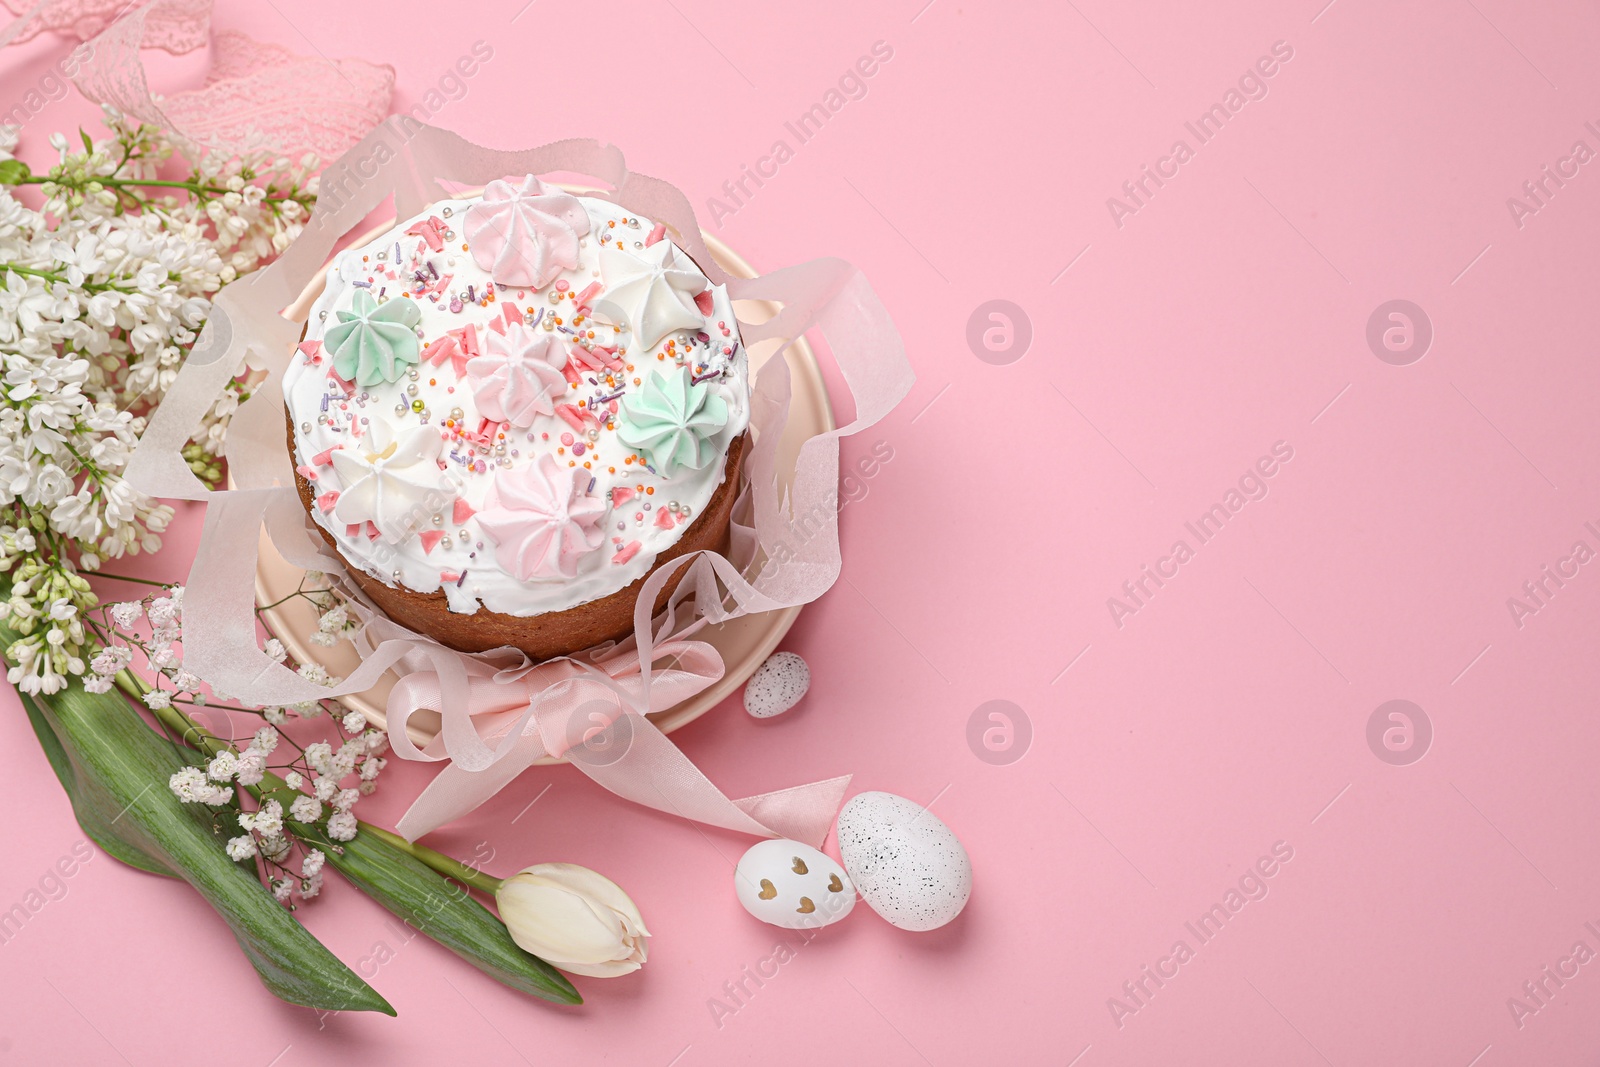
511 408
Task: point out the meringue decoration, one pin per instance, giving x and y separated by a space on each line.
525 234
672 421
650 291
372 342
391 479
542 519
519 374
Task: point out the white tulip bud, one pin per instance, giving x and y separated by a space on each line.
573 919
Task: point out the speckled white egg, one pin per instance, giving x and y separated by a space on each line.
907 864
792 885
777 685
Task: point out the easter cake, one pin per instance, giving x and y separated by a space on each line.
509 409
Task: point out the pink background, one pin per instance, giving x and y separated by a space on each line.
1168 354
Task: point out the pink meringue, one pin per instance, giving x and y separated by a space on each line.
515 379
542 519
525 234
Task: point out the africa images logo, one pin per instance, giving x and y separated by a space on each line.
1137 592
1251 886
1252 85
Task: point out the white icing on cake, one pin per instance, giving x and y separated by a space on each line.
419 508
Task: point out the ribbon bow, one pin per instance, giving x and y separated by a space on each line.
588 711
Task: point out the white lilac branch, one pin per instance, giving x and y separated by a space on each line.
104 288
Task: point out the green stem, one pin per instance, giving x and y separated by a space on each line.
50 275
126 578
285 600
450 868
94 470
193 187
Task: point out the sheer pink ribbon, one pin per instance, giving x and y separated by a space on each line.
587 713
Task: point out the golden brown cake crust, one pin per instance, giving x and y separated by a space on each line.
554 633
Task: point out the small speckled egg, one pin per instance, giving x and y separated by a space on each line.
907 864
777 685
792 885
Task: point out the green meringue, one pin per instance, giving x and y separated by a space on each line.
372 342
671 421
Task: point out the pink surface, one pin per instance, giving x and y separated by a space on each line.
1169 753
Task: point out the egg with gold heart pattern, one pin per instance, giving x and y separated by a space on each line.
792 885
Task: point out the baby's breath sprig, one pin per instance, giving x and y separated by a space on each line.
267 792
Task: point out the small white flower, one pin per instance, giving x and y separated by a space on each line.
312 863
185 784
354 722
282 889
275 715
242 848
344 762
251 768
49 486
157 699
319 756
342 826
294 780
269 819
345 799
275 650
164 611
97 683
109 661
224 765
305 809
275 847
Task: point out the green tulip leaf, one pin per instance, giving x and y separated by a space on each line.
115 769
88 799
